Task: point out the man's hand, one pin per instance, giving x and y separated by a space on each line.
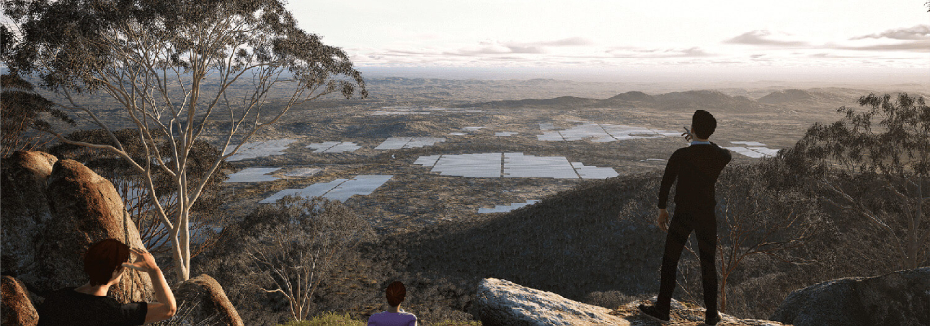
662 221
144 262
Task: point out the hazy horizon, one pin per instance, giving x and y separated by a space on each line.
858 77
854 42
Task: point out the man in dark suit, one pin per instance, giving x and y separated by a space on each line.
696 168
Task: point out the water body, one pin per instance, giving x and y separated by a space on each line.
259 149
752 149
505 208
601 133
334 147
408 142
339 189
258 174
512 165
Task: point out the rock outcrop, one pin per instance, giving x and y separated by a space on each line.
52 214
25 207
900 298
501 302
53 210
17 308
207 300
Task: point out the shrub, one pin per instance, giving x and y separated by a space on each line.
327 319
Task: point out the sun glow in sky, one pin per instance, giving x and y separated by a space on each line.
791 36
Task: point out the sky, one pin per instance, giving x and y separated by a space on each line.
839 38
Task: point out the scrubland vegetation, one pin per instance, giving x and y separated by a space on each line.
779 229
785 222
850 198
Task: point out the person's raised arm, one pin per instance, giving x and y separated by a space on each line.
166 305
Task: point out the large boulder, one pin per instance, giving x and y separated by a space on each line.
52 214
501 302
900 298
25 207
207 300
17 308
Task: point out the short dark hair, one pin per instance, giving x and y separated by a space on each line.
103 258
395 293
703 124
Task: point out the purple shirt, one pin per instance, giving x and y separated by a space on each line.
392 319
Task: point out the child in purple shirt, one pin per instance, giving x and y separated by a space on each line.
394 316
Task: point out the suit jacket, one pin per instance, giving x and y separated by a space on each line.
696 168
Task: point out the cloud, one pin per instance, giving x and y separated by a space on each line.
498 48
571 41
922 46
910 39
693 52
486 48
919 32
824 55
762 37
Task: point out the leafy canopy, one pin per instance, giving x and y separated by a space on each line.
70 43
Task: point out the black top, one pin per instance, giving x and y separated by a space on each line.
69 307
696 167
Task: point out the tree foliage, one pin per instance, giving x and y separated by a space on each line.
22 109
295 245
177 68
875 162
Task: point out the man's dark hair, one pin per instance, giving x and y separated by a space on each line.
104 257
703 124
395 293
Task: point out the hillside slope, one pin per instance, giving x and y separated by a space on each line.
572 243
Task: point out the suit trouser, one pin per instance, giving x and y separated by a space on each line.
704 223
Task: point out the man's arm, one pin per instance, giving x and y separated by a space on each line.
166 305
671 173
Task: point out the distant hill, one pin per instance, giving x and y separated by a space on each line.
558 101
632 97
705 99
675 100
797 96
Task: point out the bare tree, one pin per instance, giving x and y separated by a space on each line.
298 245
758 221
184 69
875 164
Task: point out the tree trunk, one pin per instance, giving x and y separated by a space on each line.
185 244
180 245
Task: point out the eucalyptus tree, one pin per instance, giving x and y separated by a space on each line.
876 163
21 109
177 68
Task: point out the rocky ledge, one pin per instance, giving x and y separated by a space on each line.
501 302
